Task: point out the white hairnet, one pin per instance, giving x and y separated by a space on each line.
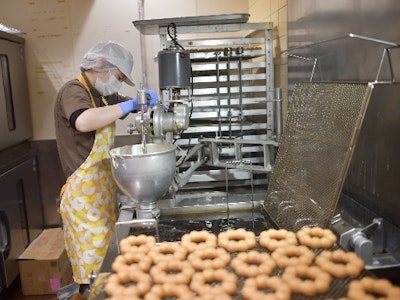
109 55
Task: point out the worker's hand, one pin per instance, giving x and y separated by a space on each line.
152 97
133 104
129 106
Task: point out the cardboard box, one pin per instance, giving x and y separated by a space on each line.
44 266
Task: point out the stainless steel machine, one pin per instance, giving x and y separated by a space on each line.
320 151
225 88
340 43
327 126
146 172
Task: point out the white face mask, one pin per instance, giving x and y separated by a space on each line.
108 88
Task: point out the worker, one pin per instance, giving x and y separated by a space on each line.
85 112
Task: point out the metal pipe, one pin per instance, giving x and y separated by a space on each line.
278 113
218 93
304 58
386 50
235 163
366 38
239 52
142 97
228 53
143 44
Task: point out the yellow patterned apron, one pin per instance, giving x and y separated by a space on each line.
89 207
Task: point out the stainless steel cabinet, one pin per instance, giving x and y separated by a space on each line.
15 116
21 217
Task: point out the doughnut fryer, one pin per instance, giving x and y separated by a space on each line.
333 134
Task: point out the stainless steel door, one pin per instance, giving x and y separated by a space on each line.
21 216
12 240
15 116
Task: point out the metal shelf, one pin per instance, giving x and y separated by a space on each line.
232 95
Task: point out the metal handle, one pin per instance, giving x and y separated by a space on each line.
390 45
5 236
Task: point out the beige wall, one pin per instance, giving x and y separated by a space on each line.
58 33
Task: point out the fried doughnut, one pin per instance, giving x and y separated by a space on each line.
162 291
213 297
274 238
203 282
253 263
167 250
340 264
369 288
138 243
209 258
307 280
172 271
275 288
128 282
237 240
316 237
292 255
198 239
131 258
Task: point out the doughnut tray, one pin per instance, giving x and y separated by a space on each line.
338 287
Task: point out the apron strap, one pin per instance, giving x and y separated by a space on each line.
84 83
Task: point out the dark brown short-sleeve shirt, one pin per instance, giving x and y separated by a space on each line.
74 146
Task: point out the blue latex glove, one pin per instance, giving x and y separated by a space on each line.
152 96
129 106
133 104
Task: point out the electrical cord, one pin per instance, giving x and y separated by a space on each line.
174 37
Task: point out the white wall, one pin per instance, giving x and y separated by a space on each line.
58 33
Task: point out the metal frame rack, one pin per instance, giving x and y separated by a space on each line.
233 107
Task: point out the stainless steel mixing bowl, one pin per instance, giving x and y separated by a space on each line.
144 176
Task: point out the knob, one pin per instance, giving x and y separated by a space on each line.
362 246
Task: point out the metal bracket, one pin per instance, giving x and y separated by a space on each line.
357 239
268 148
349 35
122 228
